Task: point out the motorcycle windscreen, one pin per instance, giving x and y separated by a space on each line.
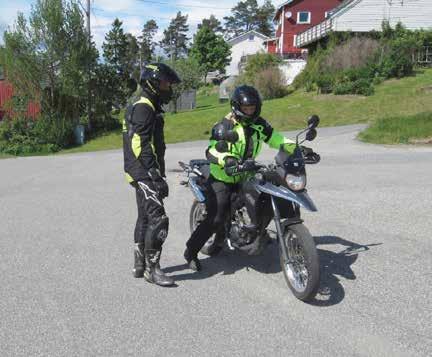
301 198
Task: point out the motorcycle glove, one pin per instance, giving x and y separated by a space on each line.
159 183
232 166
306 150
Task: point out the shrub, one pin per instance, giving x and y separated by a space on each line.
343 88
325 83
363 86
357 52
45 135
258 63
354 64
270 83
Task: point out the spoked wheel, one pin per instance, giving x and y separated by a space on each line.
301 270
197 215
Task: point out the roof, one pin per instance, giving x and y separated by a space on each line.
271 39
344 6
235 39
280 7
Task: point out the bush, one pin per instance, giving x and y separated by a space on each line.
356 52
325 83
353 65
47 134
258 63
343 88
361 87
270 83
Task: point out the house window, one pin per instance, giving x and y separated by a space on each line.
327 14
251 37
303 17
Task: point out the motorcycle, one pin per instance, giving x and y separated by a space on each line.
275 192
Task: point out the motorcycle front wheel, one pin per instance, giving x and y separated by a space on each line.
197 215
301 269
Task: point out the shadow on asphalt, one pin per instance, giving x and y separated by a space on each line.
335 265
332 266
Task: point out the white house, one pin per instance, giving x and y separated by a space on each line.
368 15
248 43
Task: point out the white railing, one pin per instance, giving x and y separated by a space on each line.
314 33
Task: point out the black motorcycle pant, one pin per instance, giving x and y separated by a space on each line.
152 223
218 199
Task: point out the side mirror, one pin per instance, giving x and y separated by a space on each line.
311 134
313 121
221 146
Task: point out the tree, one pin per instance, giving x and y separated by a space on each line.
146 44
115 46
118 49
48 57
132 55
190 73
264 18
175 39
247 15
212 23
210 50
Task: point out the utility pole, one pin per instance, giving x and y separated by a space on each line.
89 69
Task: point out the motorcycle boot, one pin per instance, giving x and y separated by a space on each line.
139 261
153 274
192 260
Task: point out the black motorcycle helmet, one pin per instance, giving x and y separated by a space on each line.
246 96
150 80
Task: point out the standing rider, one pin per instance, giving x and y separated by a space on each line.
228 166
144 149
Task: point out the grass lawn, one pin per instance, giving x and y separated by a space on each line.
393 99
400 130
112 140
5 156
407 96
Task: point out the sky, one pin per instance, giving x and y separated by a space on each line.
133 13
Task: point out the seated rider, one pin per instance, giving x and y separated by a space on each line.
226 165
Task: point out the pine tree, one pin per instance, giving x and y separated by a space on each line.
115 47
115 52
175 39
212 23
247 15
146 44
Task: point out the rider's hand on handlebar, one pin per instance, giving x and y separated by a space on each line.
306 150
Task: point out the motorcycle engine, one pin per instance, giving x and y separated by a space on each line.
240 233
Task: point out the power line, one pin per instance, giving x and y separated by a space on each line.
134 14
186 5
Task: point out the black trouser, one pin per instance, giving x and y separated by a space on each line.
218 199
152 223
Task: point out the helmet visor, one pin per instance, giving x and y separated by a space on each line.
248 110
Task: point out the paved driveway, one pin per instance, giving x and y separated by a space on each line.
66 225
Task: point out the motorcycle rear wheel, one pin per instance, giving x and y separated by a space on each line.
301 271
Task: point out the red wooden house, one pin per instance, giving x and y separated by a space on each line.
32 109
293 17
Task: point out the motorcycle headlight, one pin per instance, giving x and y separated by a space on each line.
296 183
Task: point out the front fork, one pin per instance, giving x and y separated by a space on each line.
279 230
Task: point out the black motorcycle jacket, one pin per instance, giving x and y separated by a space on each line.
143 139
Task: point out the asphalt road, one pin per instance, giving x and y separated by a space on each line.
66 289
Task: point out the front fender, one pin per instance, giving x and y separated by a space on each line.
301 198
196 190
